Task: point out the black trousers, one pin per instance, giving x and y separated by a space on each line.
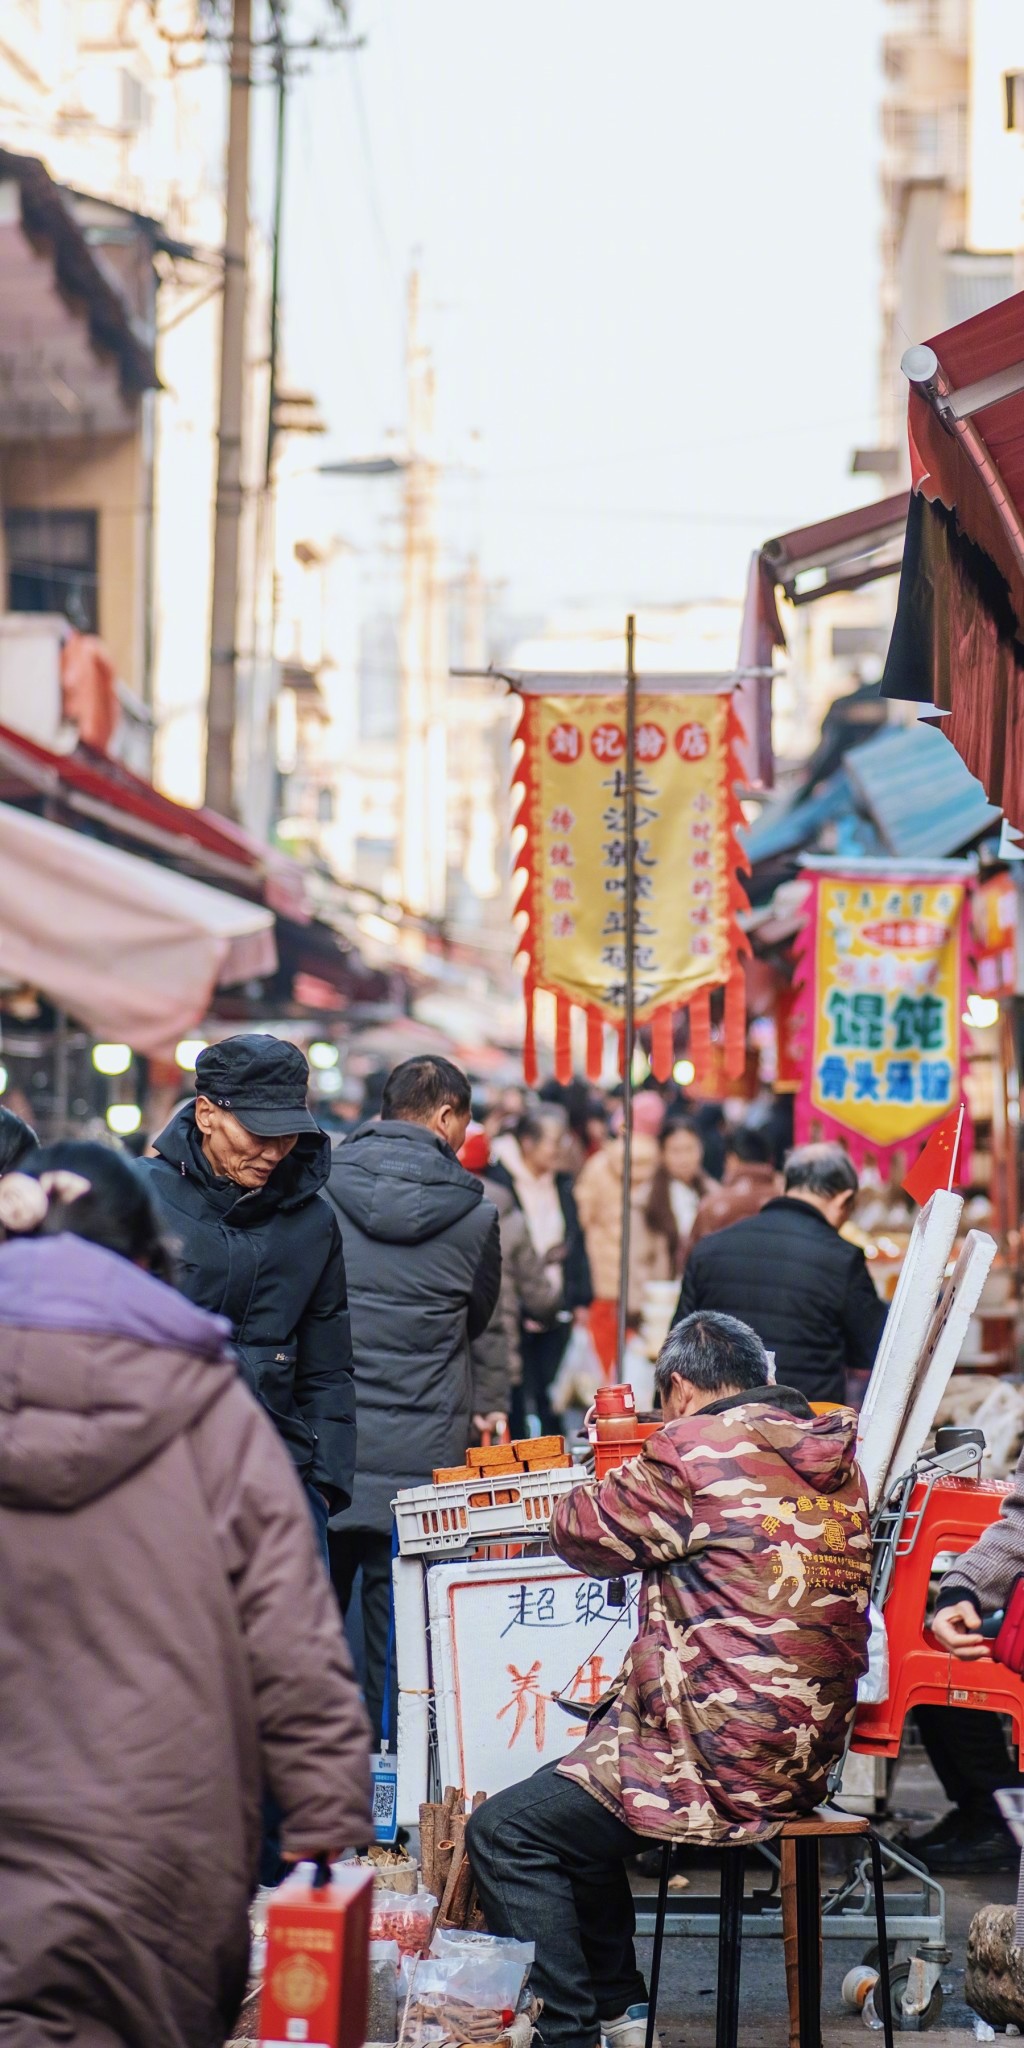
549 1864
969 1753
351 1549
542 1354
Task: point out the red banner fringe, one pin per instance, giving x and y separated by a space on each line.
735 1024
700 1032
595 1044
563 1040
662 1043
530 1071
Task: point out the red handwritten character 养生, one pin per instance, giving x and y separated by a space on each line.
526 1697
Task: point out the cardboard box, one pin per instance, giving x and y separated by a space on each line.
317 1974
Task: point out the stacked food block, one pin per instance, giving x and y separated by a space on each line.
493 1461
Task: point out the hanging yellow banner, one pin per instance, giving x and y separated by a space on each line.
576 857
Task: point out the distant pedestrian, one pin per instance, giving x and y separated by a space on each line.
525 1161
168 1644
424 1267
238 1178
678 1188
527 1295
789 1274
17 1140
652 1237
748 1182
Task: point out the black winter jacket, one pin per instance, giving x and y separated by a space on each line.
270 1259
801 1286
424 1269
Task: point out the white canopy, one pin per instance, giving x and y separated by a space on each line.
132 950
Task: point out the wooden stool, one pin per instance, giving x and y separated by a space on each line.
801 1924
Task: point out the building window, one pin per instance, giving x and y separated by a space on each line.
1013 88
52 565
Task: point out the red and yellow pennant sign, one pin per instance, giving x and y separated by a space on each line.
882 967
685 859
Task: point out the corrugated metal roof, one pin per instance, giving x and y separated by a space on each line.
924 801
786 827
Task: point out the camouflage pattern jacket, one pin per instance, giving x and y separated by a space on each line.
749 1523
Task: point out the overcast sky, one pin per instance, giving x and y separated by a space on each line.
649 243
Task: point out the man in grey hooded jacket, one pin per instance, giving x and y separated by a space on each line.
423 1260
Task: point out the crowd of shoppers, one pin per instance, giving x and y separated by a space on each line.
231 1355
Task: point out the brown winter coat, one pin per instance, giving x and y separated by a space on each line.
599 1203
168 1641
746 1186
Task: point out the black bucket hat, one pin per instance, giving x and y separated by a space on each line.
261 1080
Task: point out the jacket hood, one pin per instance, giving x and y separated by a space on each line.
645 1157
398 1182
298 1178
130 1365
819 1449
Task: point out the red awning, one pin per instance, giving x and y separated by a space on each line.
966 426
200 841
958 640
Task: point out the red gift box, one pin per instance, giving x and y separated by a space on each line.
317 1971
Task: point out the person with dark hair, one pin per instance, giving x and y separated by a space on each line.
17 1140
526 1163
787 1271
238 1176
748 1519
110 1203
423 1254
168 1642
749 1180
678 1188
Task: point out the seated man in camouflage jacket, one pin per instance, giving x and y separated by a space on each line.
747 1517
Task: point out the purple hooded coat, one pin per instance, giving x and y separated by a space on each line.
168 1641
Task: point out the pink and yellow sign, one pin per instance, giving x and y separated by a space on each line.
577 867
882 970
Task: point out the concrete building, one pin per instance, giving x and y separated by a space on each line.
123 106
953 183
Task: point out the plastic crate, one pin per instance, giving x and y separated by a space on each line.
434 1519
608 1455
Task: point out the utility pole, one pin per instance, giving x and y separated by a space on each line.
422 824
221 701
629 1024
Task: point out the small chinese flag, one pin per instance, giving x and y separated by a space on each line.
936 1162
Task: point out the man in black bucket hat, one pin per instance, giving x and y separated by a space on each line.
238 1178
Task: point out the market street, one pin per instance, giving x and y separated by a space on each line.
511 1023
